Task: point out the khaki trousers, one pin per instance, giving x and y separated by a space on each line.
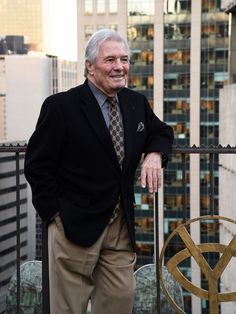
102 272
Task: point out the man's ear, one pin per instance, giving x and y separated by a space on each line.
89 67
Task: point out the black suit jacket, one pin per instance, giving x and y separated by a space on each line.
72 166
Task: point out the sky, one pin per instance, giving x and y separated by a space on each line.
60 31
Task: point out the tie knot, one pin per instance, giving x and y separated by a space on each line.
112 101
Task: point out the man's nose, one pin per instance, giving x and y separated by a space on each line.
119 63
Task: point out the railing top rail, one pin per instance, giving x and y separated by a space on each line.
203 149
13 148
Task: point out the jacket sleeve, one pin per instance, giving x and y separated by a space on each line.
160 135
42 159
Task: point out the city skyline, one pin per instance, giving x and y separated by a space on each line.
48 26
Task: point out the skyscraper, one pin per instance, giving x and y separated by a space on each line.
23 17
179 61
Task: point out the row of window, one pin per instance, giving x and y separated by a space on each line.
140 32
182 106
99 6
179 31
174 202
184 6
172 56
182 56
182 131
182 81
139 8
141 82
144 57
90 29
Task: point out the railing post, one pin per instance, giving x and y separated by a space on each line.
18 292
184 186
157 253
212 205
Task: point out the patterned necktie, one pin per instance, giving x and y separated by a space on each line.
116 130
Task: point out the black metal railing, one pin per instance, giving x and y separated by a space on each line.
185 151
16 150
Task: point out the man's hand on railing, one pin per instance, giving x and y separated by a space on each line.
151 172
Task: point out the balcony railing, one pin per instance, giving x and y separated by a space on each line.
184 151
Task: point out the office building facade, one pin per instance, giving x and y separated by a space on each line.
179 61
8 221
227 169
227 180
23 18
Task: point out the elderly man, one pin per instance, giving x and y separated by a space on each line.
80 163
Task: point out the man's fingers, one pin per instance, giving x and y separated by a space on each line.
143 177
151 172
152 178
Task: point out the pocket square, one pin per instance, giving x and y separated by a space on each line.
140 127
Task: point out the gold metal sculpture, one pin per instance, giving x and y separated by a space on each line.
196 251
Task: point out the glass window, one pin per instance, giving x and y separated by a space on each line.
176 107
183 57
135 82
221 56
207 106
150 81
113 27
88 6
181 130
142 32
144 249
209 132
113 6
210 6
171 224
207 81
140 7
100 6
177 31
132 33
144 224
221 76
181 81
88 31
101 26
177 6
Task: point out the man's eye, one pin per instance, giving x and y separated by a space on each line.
110 60
124 60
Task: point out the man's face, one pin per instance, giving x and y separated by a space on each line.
111 68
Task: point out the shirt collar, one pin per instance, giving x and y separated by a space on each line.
98 94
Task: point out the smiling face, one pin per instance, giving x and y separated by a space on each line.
110 70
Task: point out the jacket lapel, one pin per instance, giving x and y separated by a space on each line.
95 118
